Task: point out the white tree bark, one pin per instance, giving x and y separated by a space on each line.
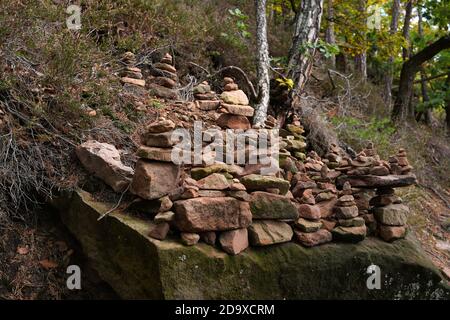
263 64
306 32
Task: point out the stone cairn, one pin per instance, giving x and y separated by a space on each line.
293 142
205 98
164 79
131 75
399 164
390 214
351 227
234 107
156 176
312 199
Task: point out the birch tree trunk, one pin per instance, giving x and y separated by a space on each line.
304 40
390 71
329 33
263 64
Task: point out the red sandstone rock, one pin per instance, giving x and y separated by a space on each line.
235 97
239 110
346 212
235 241
267 232
160 126
215 181
211 214
154 180
159 231
326 207
207 105
311 212
136 82
264 205
379 171
189 239
314 238
389 233
230 121
328 224
162 140
103 160
165 67
231 87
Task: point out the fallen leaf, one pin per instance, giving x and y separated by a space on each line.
48 264
22 250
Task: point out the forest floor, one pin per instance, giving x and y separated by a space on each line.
34 259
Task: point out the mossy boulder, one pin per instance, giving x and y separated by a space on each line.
137 266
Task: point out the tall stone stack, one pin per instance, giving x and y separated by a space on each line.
309 228
351 227
295 141
272 210
234 107
156 176
164 79
211 210
390 214
333 157
205 98
312 198
400 164
131 75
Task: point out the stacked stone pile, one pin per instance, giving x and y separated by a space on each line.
234 109
310 230
351 227
399 163
156 176
205 98
390 214
164 79
234 206
293 141
207 211
131 75
368 162
272 209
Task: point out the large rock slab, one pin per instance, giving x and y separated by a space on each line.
370 181
103 160
139 267
211 214
266 205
